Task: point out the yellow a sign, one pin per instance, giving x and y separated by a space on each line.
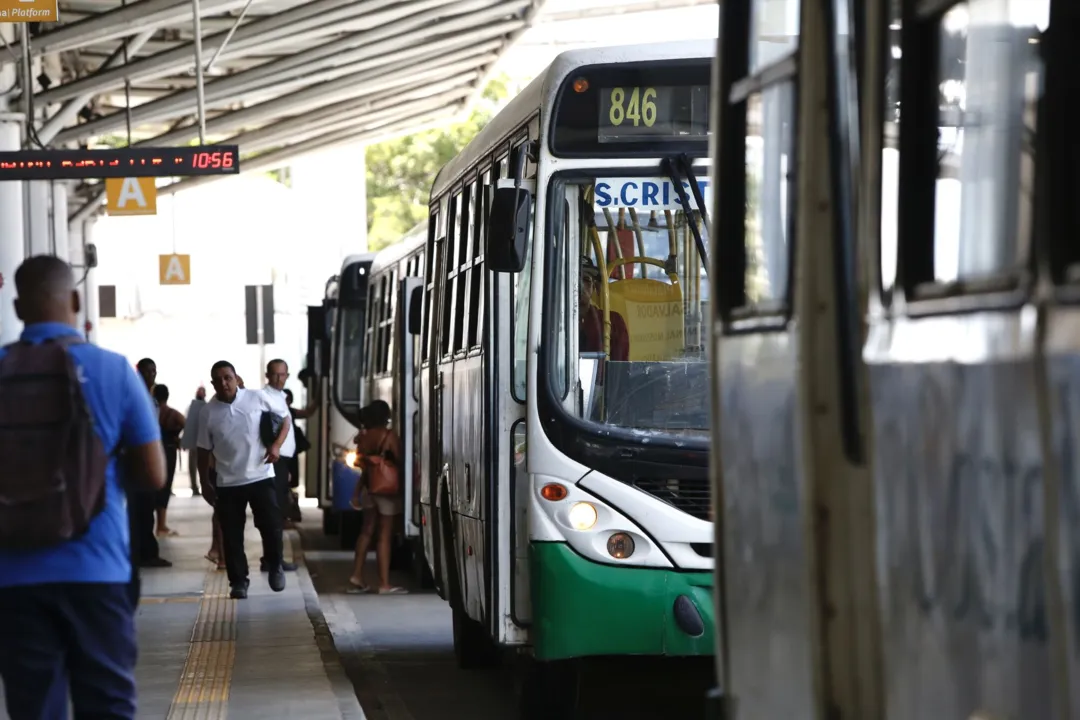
174 269
24 11
130 196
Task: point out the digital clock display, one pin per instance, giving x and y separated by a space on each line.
119 163
657 112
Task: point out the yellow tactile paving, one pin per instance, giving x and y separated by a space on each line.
203 692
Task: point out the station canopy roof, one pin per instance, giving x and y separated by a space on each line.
281 77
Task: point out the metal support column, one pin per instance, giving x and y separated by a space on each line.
200 95
11 200
89 289
60 236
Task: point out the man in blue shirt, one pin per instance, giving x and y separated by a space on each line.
67 622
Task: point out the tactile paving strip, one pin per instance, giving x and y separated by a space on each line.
203 693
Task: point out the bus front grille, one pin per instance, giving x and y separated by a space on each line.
689 495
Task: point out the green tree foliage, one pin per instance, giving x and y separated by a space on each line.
400 172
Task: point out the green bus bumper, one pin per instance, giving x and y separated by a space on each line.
582 608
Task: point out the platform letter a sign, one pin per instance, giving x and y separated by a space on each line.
174 269
131 196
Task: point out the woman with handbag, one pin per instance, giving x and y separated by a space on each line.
378 494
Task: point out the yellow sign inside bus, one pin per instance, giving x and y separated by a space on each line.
653 311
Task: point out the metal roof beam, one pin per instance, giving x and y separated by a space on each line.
123 21
364 45
364 110
468 14
421 53
71 109
234 88
348 86
289 26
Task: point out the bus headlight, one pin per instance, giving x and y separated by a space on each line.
582 516
620 546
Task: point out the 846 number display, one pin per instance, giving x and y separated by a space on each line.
635 106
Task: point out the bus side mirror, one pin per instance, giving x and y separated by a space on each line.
415 310
508 229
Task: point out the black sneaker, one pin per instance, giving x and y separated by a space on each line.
239 590
286 566
277 580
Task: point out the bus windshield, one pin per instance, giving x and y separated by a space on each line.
636 289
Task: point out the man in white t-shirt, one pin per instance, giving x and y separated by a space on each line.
229 429
277 372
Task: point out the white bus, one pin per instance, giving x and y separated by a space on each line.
561 437
895 349
333 374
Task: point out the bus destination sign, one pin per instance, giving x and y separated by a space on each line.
119 163
653 113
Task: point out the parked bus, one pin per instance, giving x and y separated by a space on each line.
895 355
334 376
560 375
389 373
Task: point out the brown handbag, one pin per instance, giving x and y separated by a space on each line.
381 472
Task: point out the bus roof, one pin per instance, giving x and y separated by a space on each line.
529 101
409 243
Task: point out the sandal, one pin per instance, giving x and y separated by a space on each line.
357 588
393 591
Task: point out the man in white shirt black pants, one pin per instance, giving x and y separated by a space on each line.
229 428
277 372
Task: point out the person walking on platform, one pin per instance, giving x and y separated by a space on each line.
230 430
142 504
67 621
191 433
277 372
172 424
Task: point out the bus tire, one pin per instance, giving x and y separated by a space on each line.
550 690
420 570
473 647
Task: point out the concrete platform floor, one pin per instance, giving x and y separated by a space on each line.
203 656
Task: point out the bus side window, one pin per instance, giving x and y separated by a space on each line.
429 283
966 187
462 261
477 317
449 272
389 313
755 224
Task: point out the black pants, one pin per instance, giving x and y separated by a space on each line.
141 505
165 493
281 484
231 509
68 636
135 586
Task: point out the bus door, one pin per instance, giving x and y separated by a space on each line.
410 297
316 466
509 298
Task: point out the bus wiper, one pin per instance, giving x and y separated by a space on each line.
671 169
687 167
